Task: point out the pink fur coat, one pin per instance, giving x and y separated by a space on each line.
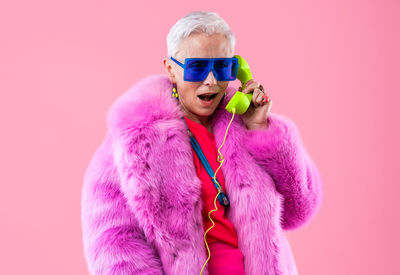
141 197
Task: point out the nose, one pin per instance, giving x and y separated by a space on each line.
210 79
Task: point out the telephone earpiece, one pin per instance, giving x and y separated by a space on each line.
240 102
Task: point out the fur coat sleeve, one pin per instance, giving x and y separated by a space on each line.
279 150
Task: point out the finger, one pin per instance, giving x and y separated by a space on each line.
255 98
259 97
249 82
250 88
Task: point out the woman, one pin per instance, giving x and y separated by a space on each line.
147 194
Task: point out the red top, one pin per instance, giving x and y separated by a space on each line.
223 229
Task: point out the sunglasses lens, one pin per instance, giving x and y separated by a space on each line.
225 69
196 70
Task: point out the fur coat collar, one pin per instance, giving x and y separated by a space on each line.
154 179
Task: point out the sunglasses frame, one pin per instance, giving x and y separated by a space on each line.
210 67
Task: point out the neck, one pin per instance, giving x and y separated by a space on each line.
205 121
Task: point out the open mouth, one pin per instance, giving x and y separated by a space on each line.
207 97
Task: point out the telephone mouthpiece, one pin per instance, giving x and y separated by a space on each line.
239 103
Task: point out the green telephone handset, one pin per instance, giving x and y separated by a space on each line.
240 102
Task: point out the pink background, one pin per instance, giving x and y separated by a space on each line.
331 66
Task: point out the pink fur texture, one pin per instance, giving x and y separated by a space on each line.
141 203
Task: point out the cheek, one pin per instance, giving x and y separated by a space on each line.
189 92
224 86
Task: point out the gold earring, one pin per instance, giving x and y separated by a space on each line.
174 92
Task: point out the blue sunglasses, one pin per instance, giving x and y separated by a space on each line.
197 69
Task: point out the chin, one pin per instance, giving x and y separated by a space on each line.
206 113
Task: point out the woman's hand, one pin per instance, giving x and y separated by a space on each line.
256 116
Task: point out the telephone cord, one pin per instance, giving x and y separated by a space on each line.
220 159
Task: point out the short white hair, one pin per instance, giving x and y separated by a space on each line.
197 22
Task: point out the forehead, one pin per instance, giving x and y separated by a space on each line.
205 45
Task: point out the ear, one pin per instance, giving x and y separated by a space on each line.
170 70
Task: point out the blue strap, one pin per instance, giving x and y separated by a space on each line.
223 199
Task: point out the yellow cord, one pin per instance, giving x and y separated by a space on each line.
220 159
